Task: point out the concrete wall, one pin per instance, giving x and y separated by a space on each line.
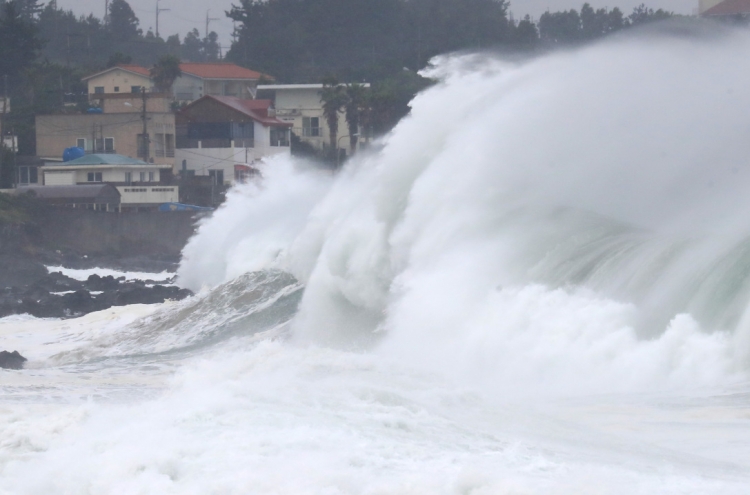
203 160
122 234
54 133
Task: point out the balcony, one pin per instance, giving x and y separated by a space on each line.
185 142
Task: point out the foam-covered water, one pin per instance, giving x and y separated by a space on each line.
538 283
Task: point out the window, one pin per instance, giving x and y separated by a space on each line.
81 143
217 177
94 177
311 126
109 145
99 89
279 136
151 177
117 89
128 178
143 176
135 89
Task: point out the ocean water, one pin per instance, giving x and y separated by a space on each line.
537 283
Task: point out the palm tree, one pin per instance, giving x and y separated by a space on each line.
164 73
333 97
356 97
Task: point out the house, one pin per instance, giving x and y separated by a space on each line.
725 8
216 79
197 80
115 128
301 106
140 184
223 136
118 80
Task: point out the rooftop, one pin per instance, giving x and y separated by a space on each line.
104 159
137 69
729 7
205 70
255 109
220 70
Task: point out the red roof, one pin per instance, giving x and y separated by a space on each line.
255 109
730 7
220 70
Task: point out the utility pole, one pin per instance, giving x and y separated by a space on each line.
209 19
158 10
146 140
106 12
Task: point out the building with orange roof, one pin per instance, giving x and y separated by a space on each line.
198 79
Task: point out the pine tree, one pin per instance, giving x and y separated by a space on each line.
122 21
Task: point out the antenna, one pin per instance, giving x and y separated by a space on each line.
209 19
158 10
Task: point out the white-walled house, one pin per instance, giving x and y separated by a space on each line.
140 184
223 136
301 106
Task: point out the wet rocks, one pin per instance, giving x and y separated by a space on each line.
11 360
58 296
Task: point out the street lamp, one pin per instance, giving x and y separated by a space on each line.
338 143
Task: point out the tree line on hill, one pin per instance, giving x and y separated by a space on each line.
305 40
46 50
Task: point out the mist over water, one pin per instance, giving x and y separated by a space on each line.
537 283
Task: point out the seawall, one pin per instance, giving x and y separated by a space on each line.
89 232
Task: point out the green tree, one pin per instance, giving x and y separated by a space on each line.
333 97
119 58
19 44
165 72
123 24
643 14
211 48
29 9
191 47
355 101
524 34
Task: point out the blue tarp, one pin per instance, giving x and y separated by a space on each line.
182 207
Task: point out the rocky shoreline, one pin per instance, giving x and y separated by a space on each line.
59 296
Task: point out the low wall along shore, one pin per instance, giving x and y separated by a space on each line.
125 234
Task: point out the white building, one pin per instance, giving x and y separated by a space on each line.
300 105
140 184
223 136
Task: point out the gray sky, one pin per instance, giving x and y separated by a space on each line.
187 14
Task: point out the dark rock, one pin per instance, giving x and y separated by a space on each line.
18 271
97 283
11 360
57 282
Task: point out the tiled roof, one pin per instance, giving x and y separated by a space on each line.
729 7
220 70
104 159
137 69
255 109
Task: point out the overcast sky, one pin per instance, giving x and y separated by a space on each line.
187 14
